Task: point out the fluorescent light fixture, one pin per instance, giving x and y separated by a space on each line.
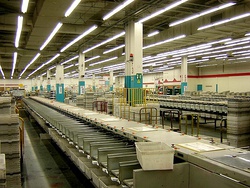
207 65
147 57
173 5
113 49
201 14
214 56
52 67
44 64
198 61
79 38
92 58
71 59
117 9
25 6
219 41
116 65
237 43
30 63
241 52
153 33
106 60
154 59
69 66
222 57
72 7
224 21
247 34
41 66
1 70
104 42
238 40
165 41
58 26
19 30
247 57
14 63
52 59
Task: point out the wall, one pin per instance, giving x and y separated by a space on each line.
228 77
7 83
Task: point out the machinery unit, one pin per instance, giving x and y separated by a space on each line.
103 148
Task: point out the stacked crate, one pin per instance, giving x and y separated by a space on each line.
121 110
80 101
10 142
86 100
2 170
238 119
89 99
109 100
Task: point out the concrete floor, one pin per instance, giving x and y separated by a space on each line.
44 165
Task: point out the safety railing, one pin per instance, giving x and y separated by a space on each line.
171 113
125 99
152 114
195 119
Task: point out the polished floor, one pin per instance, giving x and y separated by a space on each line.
44 165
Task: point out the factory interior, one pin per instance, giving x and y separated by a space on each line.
124 93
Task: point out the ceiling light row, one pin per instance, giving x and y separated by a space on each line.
71 59
1 70
224 21
100 62
30 63
117 9
14 64
157 13
19 30
194 16
52 34
44 64
175 23
104 42
79 38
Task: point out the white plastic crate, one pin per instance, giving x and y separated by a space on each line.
2 167
154 155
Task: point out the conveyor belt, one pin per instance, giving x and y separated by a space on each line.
99 136
93 142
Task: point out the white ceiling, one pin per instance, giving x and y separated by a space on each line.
43 15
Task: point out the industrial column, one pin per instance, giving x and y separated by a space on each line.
184 83
33 84
81 67
59 83
41 83
93 81
48 81
36 81
133 63
111 75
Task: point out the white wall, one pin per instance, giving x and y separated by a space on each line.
229 77
25 83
